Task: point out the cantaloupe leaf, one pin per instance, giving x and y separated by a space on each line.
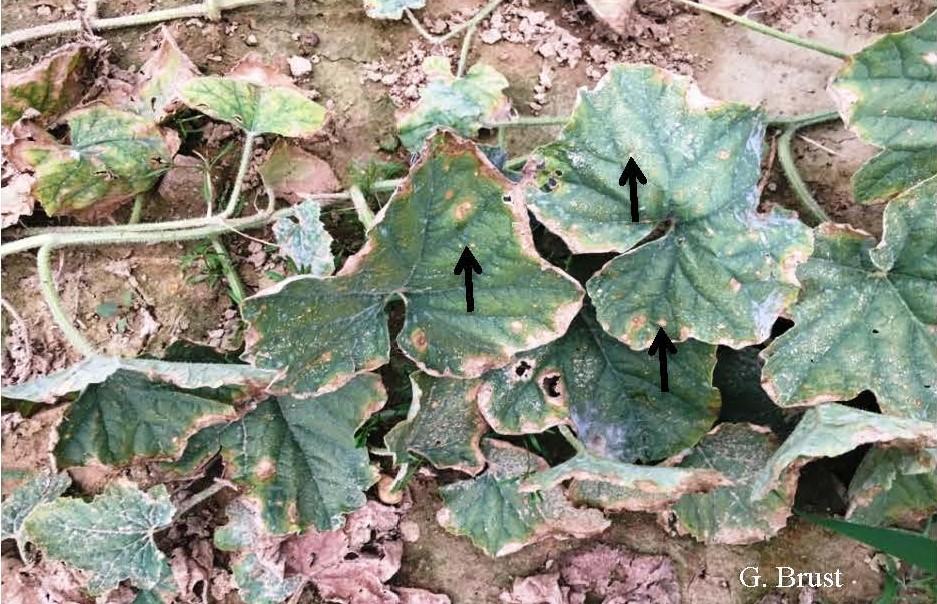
887 94
894 487
305 241
390 9
41 488
320 332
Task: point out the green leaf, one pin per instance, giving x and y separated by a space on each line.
886 94
463 104
130 417
110 537
610 393
97 369
261 581
298 458
390 9
894 486
443 425
498 518
729 514
113 155
913 548
256 109
830 430
722 272
644 488
41 488
305 241
867 318
320 332
51 87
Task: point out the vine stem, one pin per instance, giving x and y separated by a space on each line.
436 40
208 8
365 215
246 153
764 29
463 54
137 209
523 121
199 497
790 126
574 442
51 296
238 291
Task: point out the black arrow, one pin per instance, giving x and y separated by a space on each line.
664 345
469 264
632 175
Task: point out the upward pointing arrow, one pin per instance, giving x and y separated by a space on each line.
663 345
632 175
468 264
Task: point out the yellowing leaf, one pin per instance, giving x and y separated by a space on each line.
113 155
256 109
51 87
320 332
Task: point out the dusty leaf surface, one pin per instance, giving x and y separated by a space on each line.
443 425
498 518
304 240
894 487
722 272
867 317
636 488
41 488
192 374
390 9
832 429
298 458
610 393
86 536
463 104
320 332
887 94
728 514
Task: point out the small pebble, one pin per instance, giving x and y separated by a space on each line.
44 11
299 66
251 40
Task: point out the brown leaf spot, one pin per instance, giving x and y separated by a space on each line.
266 469
464 210
418 339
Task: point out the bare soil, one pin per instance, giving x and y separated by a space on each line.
156 303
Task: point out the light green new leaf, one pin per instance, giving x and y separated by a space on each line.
894 487
130 417
97 369
722 272
463 104
298 458
113 155
498 518
256 109
867 318
390 9
443 425
261 581
51 87
320 332
305 241
110 537
610 393
887 94
832 429
729 514
626 486
41 488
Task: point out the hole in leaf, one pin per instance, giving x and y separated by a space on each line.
551 385
874 331
522 368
